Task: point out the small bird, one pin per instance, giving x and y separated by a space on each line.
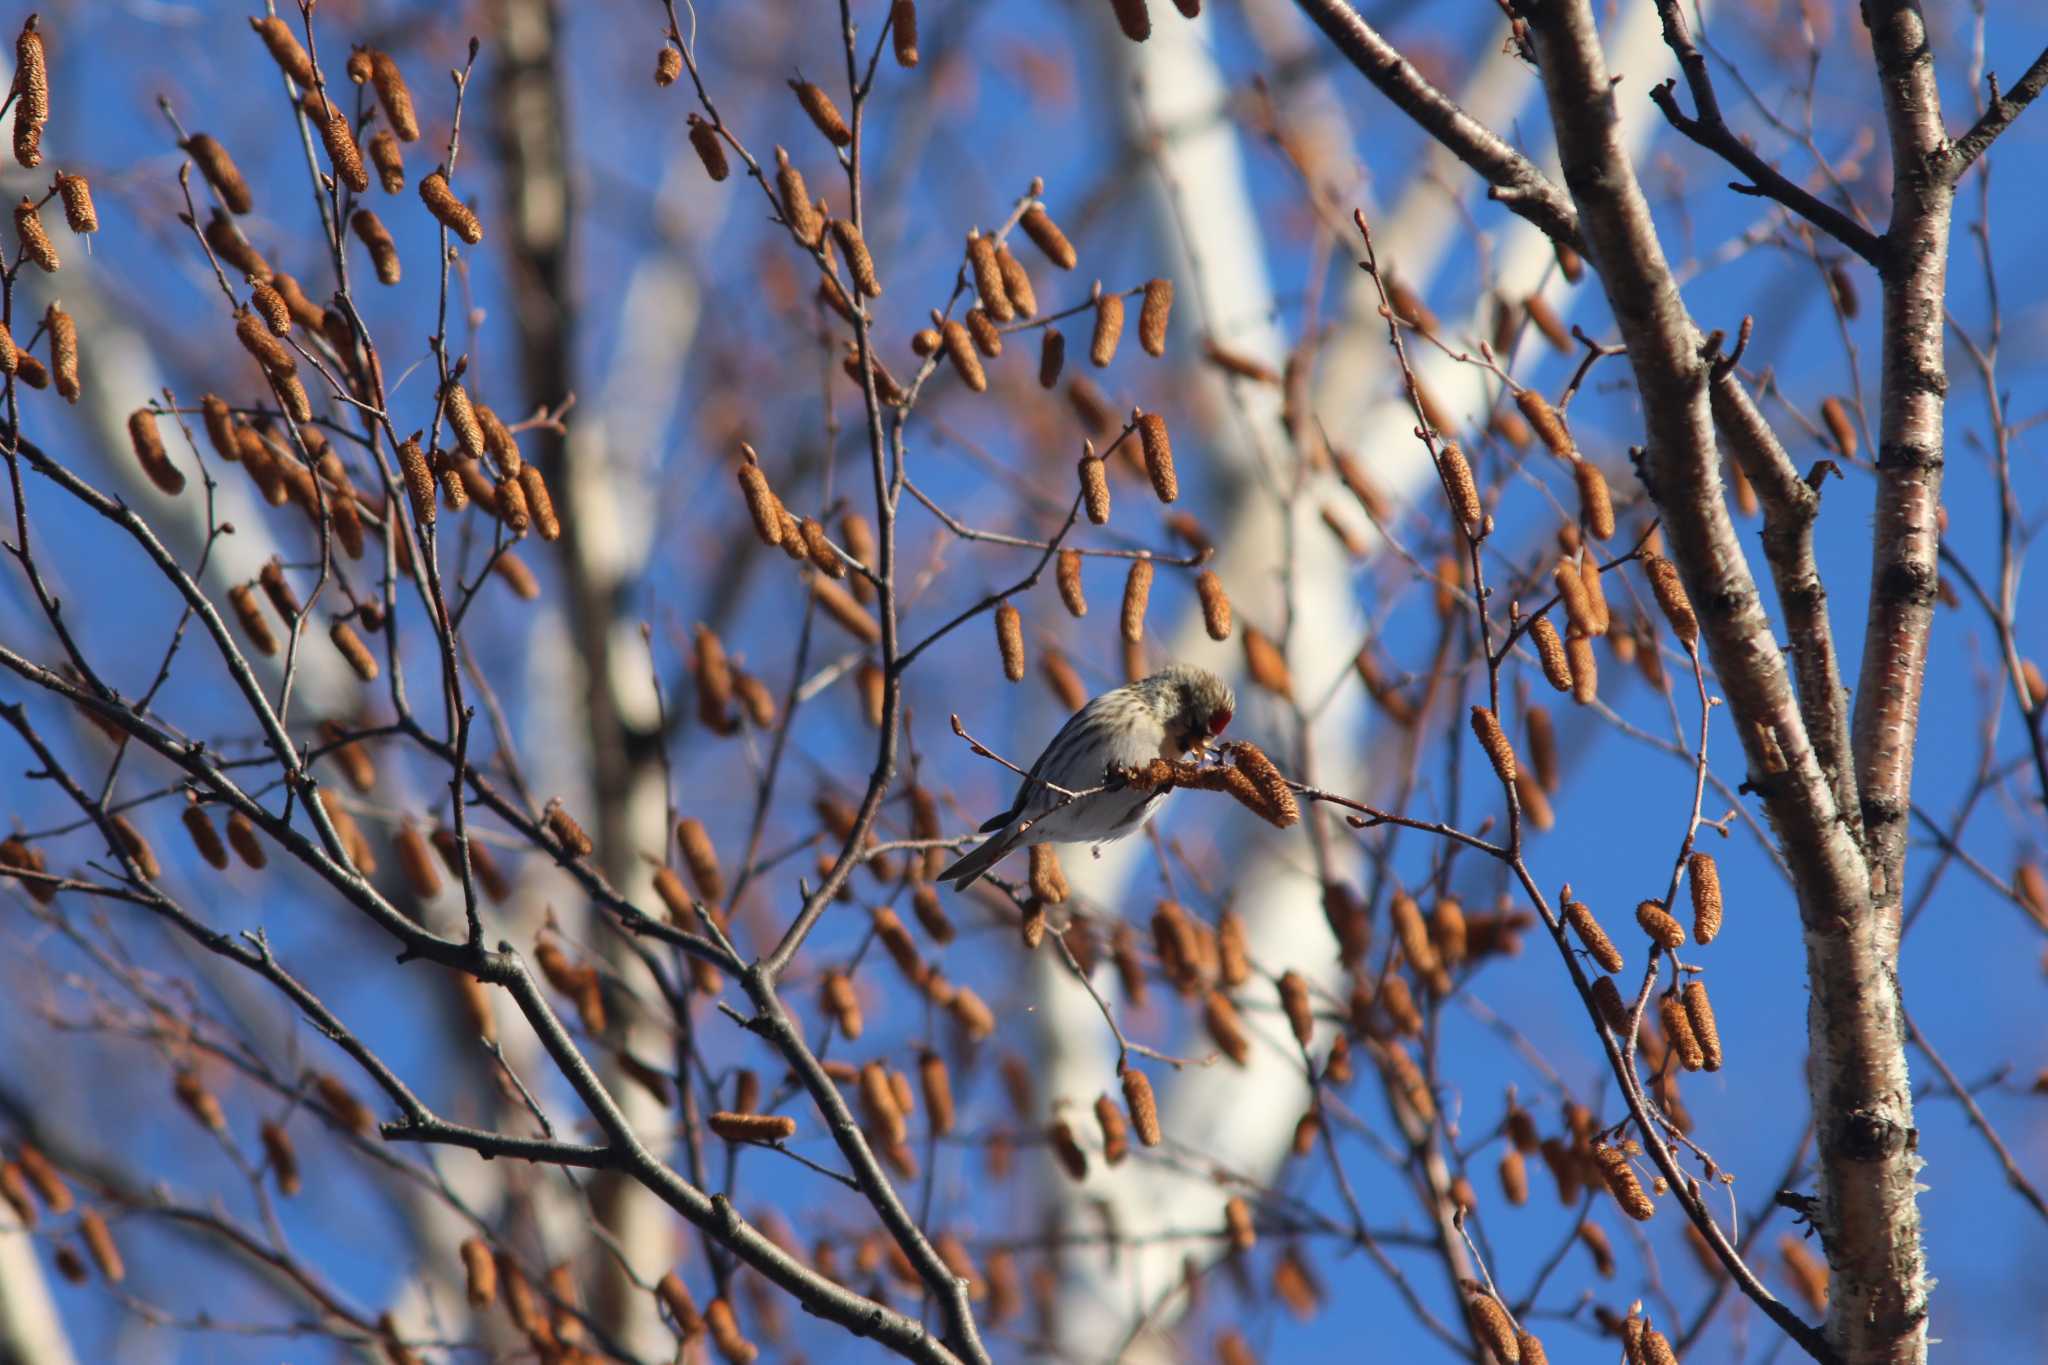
1174 711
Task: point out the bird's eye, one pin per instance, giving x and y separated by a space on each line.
1217 721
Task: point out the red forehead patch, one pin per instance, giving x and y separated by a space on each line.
1217 721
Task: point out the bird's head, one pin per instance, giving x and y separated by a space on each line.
1195 705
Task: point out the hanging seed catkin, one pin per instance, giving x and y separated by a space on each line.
1266 665
1621 1182
1591 936
1670 593
961 351
988 277
987 339
10 356
1549 426
1069 575
449 211
394 96
1578 652
1052 357
1678 1033
342 153
1158 449
1596 594
220 171
859 264
352 649
797 209
1491 1324
1010 642
1557 670
762 504
1705 879
1137 592
419 480
150 454
704 138
1095 488
1657 923
1109 329
1215 605
1699 1012
79 213
1461 488
63 330
1153 315
1596 505
824 114
284 48
1045 234
1016 282
32 95
376 239
1486 726
1834 414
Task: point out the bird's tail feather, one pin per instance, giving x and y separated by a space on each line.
967 870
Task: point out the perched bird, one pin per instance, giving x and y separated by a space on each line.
1165 716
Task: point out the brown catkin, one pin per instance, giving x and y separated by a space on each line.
32 95
1834 414
242 598
1237 1224
205 838
448 210
1491 1324
376 239
1461 488
1543 747
988 277
1549 426
702 860
202 1104
704 137
63 330
752 1127
271 306
1158 450
1266 665
1670 593
1486 726
797 209
416 862
419 480
1294 1001
1596 504
762 504
79 213
1137 592
284 48
1069 576
242 839
1621 1182
1116 1136
340 142
99 1242
1591 936
1045 234
1052 357
394 96
1095 488
1578 652
1016 283
1153 315
1109 329
220 171
1699 1012
1215 605
987 338
824 114
1144 1110
10 356
859 263
1557 670
150 454
1010 643
1705 879
1658 925
351 647
1678 1033
960 350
